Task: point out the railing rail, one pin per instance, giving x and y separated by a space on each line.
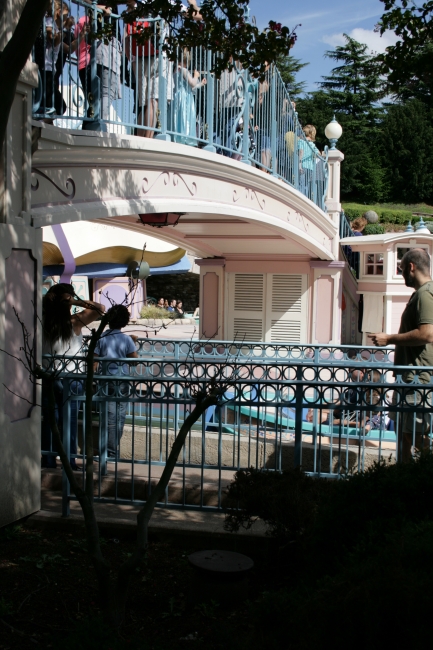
211 349
117 85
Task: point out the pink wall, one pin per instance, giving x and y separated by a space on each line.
20 294
209 308
324 309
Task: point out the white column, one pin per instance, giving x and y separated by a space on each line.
335 158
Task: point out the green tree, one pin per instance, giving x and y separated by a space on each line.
407 65
352 92
288 67
407 146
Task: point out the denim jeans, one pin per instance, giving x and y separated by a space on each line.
48 443
116 413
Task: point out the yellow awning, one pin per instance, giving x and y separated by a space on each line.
114 255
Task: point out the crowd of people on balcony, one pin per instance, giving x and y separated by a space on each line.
125 64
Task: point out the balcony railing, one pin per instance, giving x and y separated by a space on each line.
351 256
117 85
326 409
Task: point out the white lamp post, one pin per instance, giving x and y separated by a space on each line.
333 132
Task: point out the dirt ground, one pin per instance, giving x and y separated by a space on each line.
49 598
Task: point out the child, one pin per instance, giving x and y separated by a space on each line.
113 344
183 105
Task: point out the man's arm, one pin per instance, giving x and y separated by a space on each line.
420 336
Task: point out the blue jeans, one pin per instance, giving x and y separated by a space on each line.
48 444
116 413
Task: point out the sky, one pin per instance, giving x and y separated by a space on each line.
323 25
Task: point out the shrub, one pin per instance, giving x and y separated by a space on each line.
374 229
364 594
156 312
363 554
386 215
287 501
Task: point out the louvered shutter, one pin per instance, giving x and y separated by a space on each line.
287 316
247 301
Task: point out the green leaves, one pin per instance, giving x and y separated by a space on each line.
408 64
220 26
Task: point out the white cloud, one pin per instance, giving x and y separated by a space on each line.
374 41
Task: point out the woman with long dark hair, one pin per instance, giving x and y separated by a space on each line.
62 337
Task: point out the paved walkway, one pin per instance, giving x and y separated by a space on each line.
169 521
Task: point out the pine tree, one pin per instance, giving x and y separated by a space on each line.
407 141
288 67
352 92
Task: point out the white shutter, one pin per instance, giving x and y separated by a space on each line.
287 308
246 306
267 307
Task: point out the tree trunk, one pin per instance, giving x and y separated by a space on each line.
15 55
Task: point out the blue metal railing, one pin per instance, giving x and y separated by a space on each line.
352 257
120 86
259 351
329 409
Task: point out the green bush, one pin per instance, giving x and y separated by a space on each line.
156 312
370 588
386 215
353 553
374 229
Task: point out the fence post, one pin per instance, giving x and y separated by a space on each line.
210 99
299 398
295 152
66 488
273 119
313 180
246 124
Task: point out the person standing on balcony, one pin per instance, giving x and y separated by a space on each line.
114 344
413 347
145 65
62 337
81 34
307 159
47 48
183 109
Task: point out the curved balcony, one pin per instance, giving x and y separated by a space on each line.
120 86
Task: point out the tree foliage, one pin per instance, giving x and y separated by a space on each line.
220 26
288 67
352 92
407 146
407 65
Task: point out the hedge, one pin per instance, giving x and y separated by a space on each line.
374 229
386 215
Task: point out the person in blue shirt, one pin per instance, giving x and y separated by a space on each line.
308 153
114 344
